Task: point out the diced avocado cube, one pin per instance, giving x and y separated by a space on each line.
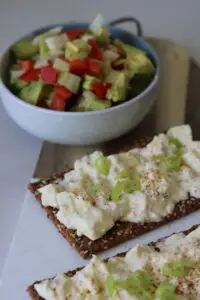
77 49
119 88
137 61
140 65
88 82
89 102
17 83
61 65
118 43
97 104
25 49
33 92
102 36
70 81
112 76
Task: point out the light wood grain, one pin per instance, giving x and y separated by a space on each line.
172 91
168 110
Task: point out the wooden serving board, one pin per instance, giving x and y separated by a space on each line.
177 102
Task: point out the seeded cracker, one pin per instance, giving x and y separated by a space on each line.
121 231
34 295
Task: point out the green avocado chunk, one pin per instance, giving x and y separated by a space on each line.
34 92
25 49
91 103
17 83
137 61
119 88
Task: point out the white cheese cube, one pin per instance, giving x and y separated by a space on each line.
183 133
48 196
193 160
56 42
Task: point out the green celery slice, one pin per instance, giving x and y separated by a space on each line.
178 268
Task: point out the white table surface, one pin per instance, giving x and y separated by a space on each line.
19 152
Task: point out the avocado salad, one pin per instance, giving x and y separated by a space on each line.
78 70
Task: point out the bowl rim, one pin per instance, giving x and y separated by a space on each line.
82 113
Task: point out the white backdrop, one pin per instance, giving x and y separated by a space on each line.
176 19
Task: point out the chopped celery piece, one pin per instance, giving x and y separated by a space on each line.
123 174
24 49
111 286
175 142
165 291
141 279
129 185
178 268
102 164
116 192
88 82
77 49
171 163
174 163
132 185
138 285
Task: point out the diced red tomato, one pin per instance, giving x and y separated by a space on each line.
63 92
49 75
78 67
93 67
96 52
26 64
30 75
58 103
74 33
100 89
